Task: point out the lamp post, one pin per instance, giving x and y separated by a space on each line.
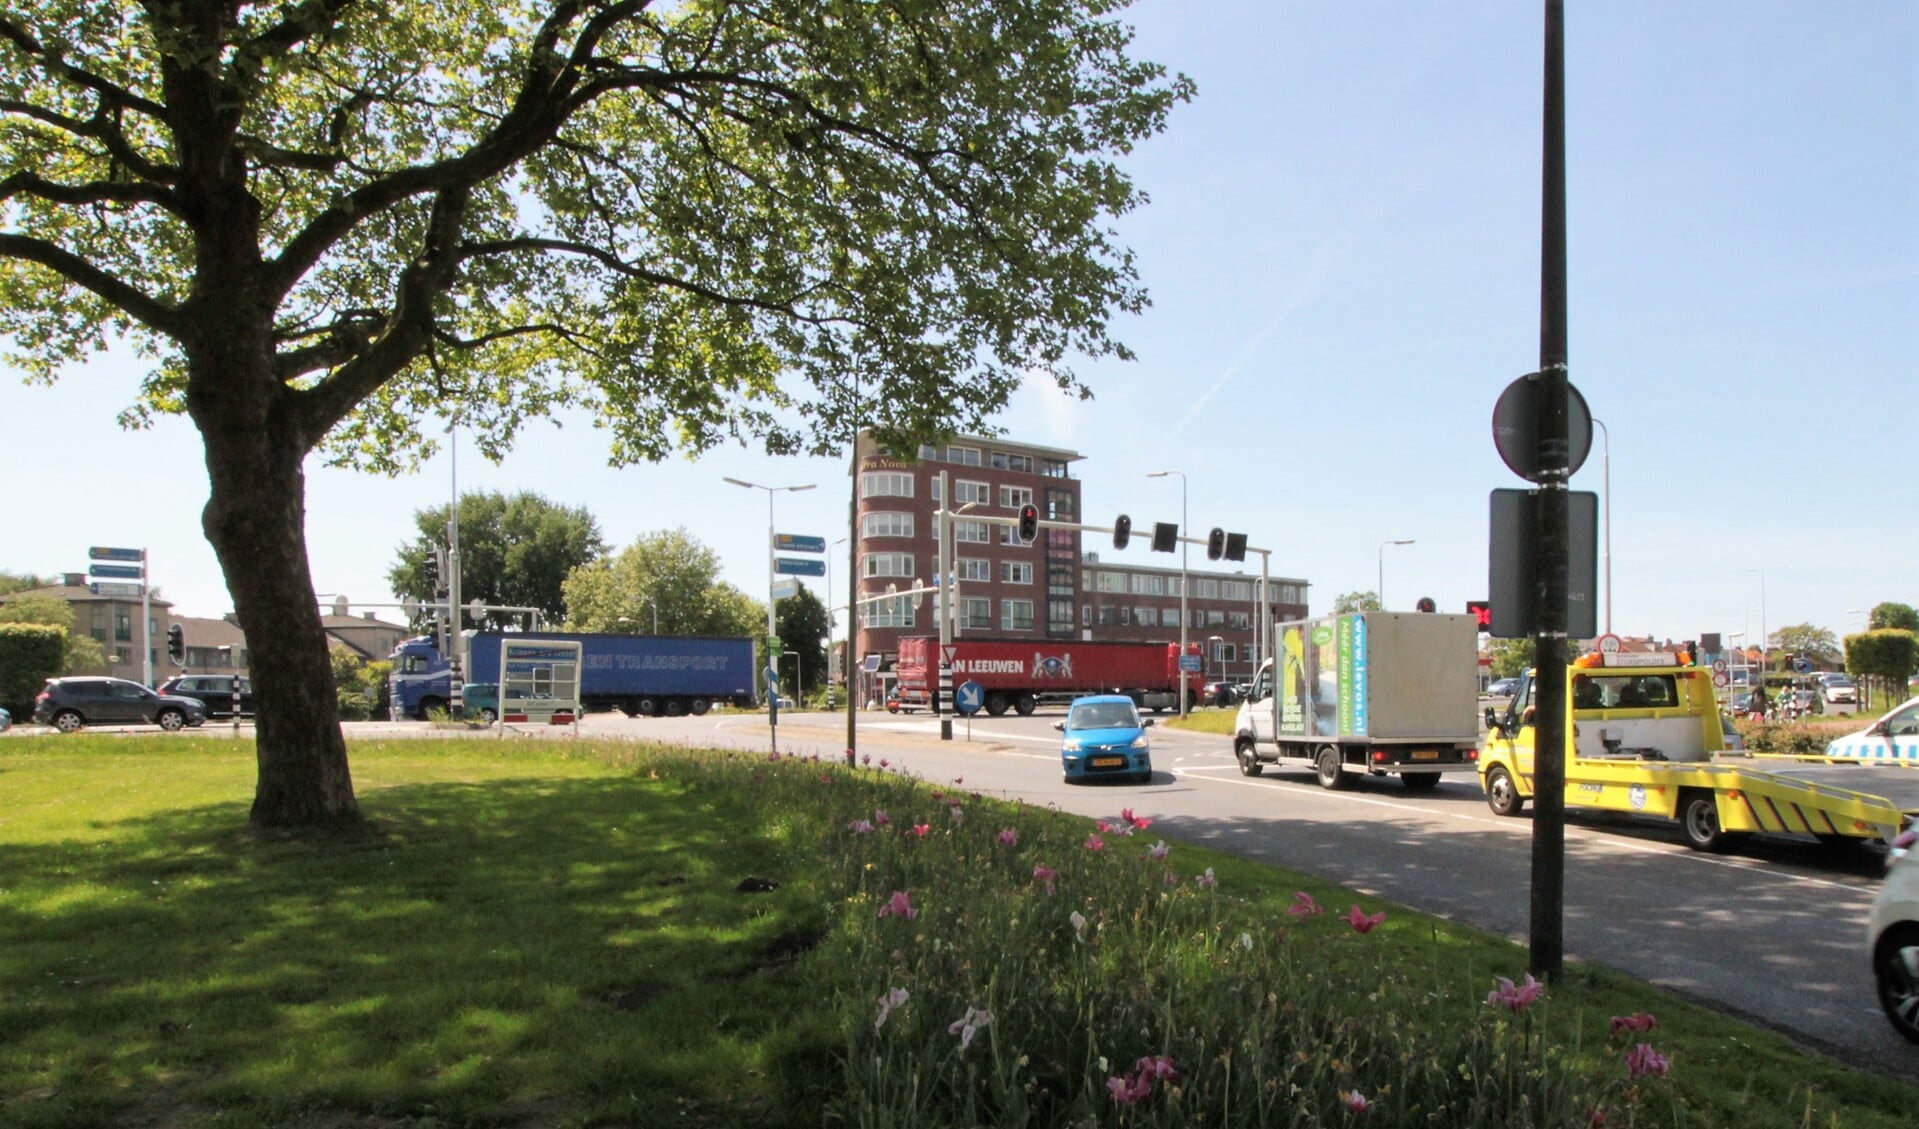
1605 486
1212 647
772 578
1765 641
844 672
1182 580
1382 570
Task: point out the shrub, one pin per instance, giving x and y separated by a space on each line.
30 653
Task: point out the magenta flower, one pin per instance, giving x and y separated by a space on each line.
1206 881
1303 904
1159 1067
1515 998
883 762
866 758
1045 876
920 829
1095 843
1364 923
1354 1101
938 795
1643 1060
880 818
1135 822
899 905
959 779
859 827
1642 1021
895 998
1127 1090
968 1025
1126 814
1008 837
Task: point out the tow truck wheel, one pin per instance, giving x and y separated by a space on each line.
1330 777
1502 794
1699 815
1248 759
1895 965
1419 781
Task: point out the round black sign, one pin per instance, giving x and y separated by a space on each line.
1516 427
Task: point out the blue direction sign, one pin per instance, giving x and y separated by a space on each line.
121 572
798 566
798 543
1192 664
969 697
100 553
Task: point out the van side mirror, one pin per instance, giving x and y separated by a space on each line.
1145 722
1492 719
1880 728
1060 725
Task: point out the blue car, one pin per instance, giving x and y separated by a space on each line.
1105 737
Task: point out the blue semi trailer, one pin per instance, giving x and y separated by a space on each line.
650 675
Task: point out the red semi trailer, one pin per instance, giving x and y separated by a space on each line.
1019 674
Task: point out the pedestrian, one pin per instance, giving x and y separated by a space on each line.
1759 702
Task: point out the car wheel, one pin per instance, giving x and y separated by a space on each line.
1699 815
171 720
1502 792
1248 760
1419 781
489 716
700 706
68 721
1895 966
1327 765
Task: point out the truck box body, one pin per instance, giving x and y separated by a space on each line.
1367 692
1021 673
637 674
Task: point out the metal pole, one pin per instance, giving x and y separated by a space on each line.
456 639
1605 485
146 618
1183 580
943 611
1381 591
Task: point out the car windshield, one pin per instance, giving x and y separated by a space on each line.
1103 715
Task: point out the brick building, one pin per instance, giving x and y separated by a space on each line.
1050 589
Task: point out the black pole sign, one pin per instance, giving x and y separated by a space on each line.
1516 428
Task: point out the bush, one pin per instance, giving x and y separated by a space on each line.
30 653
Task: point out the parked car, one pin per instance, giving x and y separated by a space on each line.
1893 737
1892 939
1105 737
1839 690
68 704
224 695
6 720
1218 694
1503 688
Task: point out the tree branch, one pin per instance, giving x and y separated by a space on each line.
155 315
97 192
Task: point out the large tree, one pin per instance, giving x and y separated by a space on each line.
667 581
514 551
1806 641
801 620
330 222
1890 616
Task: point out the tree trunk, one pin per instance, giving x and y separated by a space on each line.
256 522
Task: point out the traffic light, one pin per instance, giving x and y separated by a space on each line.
432 567
177 644
1165 536
1215 544
1122 531
1425 604
1235 546
1028 522
1481 610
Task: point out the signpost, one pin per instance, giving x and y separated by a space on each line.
135 569
798 566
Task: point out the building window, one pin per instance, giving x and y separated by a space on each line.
1174 584
1146 617
1236 589
928 452
1292 594
896 612
1013 497
966 490
975 532
964 456
886 484
1015 572
1108 616
1240 620
1059 506
1053 468
1016 615
1206 589
1086 615
975 612
1004 461
122 627
975 569
1111 582
1125 616
1215 619
887 524
887 564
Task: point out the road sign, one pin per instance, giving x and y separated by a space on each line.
785 589
871 663
117 589
798 543
1516 428
969 697
1721 679
1719 667
1803 666
122 572
1608 644
798 566
1192 664
947 654
100 553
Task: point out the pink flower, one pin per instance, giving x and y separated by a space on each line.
1126 814
1303 904
1363 923
1104 827
1158 1067
899 905
968 1025
883 762
1127 1090
1354 1101
880 818
865 758
1095 843
1008 837
1045 876
920 829
938 795
1515 998
1158 850
1137 823
959 779
1642 1021
895 998
1206 881
1643 1060
859 827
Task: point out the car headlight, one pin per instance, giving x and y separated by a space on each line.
1071 745
1140 742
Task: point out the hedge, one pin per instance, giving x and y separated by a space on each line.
30 653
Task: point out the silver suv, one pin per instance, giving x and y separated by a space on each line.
68 704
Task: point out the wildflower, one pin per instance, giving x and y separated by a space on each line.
1158 1067
1045 875
1643 1060
1364 923
895 998
1136 822
1158 850
1095 843
883 762
938 795
1354 1101
1079 924
1596 1118
1642 1021
959 813
1246 941
866 758
920 829
1127 1090
1206 881
968 1025
1126 815
859 827
1515 999
899 905
1303 904
1008 837
959 779
1172 879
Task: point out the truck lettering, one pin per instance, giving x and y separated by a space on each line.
990 666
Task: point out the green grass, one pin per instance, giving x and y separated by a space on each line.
555 934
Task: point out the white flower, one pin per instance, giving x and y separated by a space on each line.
1246 941
968 1025
1079 924
895 998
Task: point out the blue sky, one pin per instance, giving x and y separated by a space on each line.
1343 253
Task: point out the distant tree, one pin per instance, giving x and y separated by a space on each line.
1893 617
1884 659
517 551
1514 657
11 582
1356 602
801 620
669 572
1807 641
83 652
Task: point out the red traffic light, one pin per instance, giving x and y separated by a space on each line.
1482 610
1028 522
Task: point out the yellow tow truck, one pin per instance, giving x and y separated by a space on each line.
1647 739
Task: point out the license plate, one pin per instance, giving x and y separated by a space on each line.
1108 762
1425 754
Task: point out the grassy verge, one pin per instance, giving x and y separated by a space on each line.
554 934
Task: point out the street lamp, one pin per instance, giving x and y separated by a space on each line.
1382 570
1182 580
772 541
1212 647
1765 641
1605 486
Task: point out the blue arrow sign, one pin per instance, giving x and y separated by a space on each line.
798 566
99 553
123 572
969 697
1192 664
798 543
